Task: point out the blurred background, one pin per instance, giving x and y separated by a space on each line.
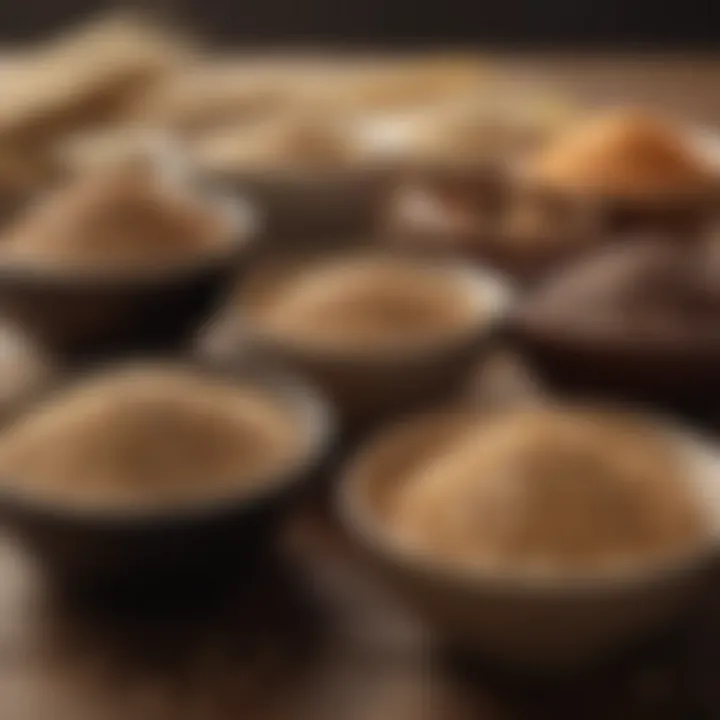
553 24
315 634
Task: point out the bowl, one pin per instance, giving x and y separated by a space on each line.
673 210
369 384
617 329
142 549
311 208
525 621
85 311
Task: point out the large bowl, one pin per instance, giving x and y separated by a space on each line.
370 385
149 549
527 621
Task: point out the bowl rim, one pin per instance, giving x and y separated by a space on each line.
490 292
313 414
366 527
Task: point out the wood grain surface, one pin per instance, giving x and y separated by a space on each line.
313 637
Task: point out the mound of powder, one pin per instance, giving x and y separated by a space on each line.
365 304
625 153
149 436
124 217
550 491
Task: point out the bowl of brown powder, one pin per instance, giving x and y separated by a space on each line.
128 251
379 332
156 464
541 536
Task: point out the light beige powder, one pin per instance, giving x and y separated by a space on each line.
365 305
119 217
149 436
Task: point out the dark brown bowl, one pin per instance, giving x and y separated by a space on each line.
148 550
82 311
678 376
597 351
537 623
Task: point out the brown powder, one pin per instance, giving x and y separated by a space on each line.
550 491
356 305
148 437
117 218
650 290
622 153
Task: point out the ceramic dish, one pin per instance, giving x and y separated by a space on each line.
90 309
145 549
532 621
370 383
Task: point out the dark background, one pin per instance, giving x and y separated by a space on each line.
548 23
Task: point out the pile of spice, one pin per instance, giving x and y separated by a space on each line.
623 153
123 217
150 436
364 304
650 290
551 492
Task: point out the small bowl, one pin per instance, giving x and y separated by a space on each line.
677 214
369 385
598 354
533 623
307 208
149 550
94 311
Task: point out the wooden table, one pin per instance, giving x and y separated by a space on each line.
315 638
318 641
